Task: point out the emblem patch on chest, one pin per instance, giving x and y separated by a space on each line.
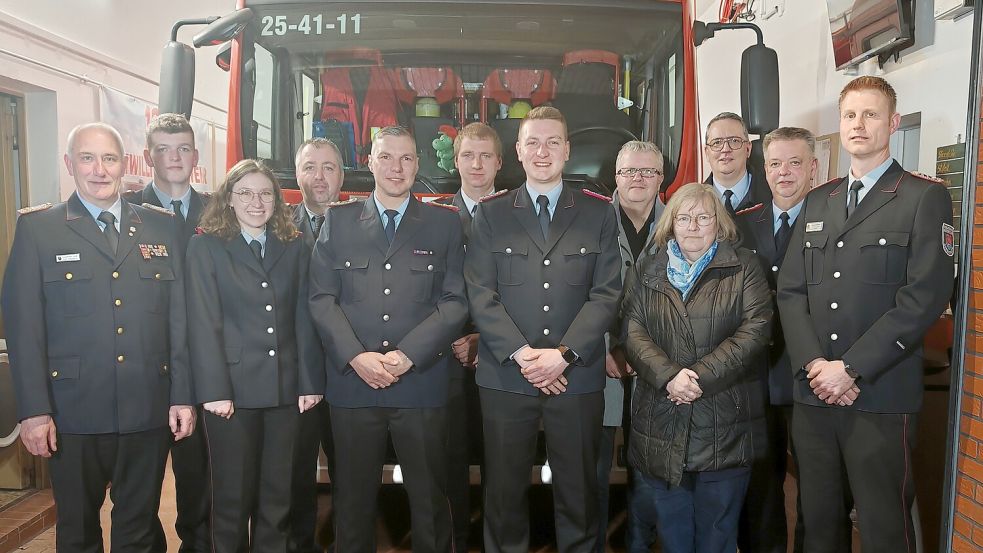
153 250
948 239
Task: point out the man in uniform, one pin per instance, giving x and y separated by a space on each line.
387 296
869 269
543 273
639 175
320 174
94 301
478 158
172 154
727 149
790 166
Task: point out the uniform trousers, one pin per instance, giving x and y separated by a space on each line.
313 434
251 457
870 453
763 527
572 424
419 436
463 440
134 466
189 463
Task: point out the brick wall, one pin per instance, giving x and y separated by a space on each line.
967 528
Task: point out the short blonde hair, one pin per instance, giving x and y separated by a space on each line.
478 131
637 146
700 194
544 113
878 84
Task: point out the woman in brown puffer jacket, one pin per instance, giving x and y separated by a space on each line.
698 313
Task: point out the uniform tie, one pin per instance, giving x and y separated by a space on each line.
257 249
544 215
473 209
391 224
110 232
728 203
855 189
317 221
178 214
783 234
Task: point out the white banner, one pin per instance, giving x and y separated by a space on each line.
131 116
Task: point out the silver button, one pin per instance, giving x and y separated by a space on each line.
882 241
387 291
839 244
546 332
265 284
834 305
269 330
836 274
272 352
348 264
385 317
833 336
508 250
546 308
546 262
385 343
583 251
774 268
388 266
808 244
546 286
269 307
429 267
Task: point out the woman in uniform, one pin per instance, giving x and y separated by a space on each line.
255 355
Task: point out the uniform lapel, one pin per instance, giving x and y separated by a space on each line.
885 190
835 215
410 223
526 214
81 222
195 209
763 228
240 251
273 251
130 228
303 223
371 224
458 201
564 214
148 196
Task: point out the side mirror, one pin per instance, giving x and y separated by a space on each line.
224 57
759 89
223 29
177 79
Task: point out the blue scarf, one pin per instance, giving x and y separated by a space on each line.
682 275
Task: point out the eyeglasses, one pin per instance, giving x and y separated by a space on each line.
247 196
734 142
646 172
702 220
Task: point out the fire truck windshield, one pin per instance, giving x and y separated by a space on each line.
344 70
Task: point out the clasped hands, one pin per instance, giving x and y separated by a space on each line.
543 368
831 383
683 389
381 370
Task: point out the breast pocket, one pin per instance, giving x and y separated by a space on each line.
426 274
157 279
69 289
578 263
353 271
883 257
814 256
511 262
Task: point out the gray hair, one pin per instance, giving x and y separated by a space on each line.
726 116
633 146
791 133
106 128
318 142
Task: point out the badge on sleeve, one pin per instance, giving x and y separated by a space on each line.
948 239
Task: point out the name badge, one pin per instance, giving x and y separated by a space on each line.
67 257
422 252
814 227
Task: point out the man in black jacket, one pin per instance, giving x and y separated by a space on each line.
869 270
728 148
320 174
94 300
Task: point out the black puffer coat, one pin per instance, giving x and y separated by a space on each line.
720 333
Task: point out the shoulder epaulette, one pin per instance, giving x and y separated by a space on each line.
830 181
923 176
593 194
340 203
751 209
205 194
157 208
35 208
451 207
199 230
494 195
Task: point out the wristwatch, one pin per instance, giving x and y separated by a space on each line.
568 354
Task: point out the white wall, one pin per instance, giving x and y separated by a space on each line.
933 80
114 42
